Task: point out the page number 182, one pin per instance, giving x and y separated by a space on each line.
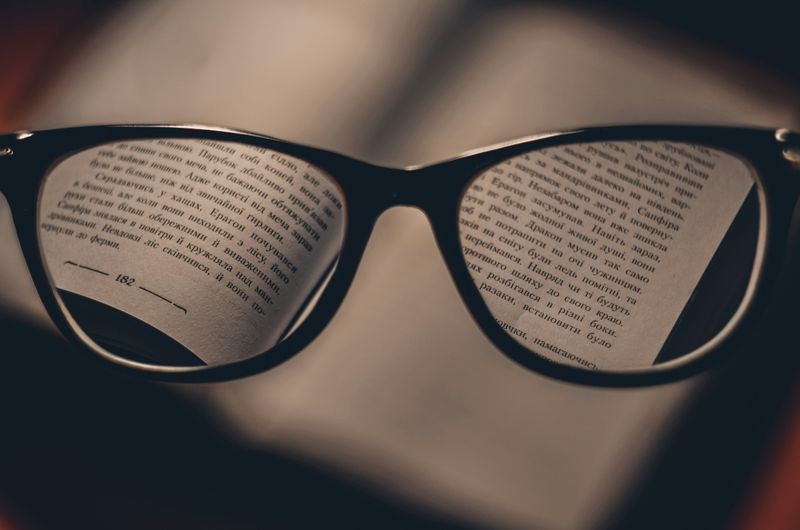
125 280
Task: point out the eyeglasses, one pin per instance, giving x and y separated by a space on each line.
614 256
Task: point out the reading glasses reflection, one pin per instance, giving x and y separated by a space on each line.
611 255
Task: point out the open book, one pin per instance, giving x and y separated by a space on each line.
213 247
401 390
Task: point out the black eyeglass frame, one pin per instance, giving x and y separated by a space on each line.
436 189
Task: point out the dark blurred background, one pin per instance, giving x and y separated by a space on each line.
398 416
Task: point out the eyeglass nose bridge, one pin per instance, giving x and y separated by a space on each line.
424 188
390 187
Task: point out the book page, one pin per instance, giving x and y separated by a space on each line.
588 253
216 244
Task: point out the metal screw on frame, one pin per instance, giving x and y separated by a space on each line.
6 151
790 154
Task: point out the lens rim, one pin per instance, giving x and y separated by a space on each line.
777 190
53 146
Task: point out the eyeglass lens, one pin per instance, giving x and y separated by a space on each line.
612 255
179 252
